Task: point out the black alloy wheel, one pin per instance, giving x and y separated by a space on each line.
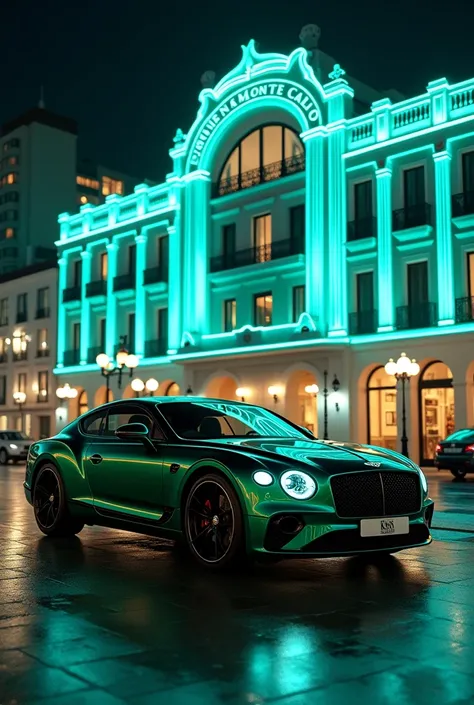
213 522
3 457
50 506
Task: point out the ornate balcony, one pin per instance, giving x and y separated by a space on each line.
463 204
124 281
42 312
465 309
93 352
254 255
72 357
42 352
156 348
20 356
155 275
269 172
21 317
363 322
72 293
411 217
420 315
359 229
96 288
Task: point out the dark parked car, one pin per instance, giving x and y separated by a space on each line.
456 453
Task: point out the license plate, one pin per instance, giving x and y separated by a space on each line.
452 450
384 527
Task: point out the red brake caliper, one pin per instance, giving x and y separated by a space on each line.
206 522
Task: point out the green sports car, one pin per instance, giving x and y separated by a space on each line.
227 479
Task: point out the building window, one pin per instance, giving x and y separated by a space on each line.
110 185
363 201
228 241
265 154
3 312
131 333
297 225
468 172
436 405
3 350
365 291
82 403
88 183
12 178
230 315
262 237
44 426
42 349
298 302
77 272
263 307
163 256
132 259
102 332
42 303
43 386
76 336
103 265
382 409
14 143
21 308
163 324
3 389
414 186
10 233
21 382
417 278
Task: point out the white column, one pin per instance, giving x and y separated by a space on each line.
175 284
444 240
62 316
315 303
384 244
337 234
111 324
140 295
85 305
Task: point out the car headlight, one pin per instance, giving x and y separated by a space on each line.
263 478
424 482
13 446
298 484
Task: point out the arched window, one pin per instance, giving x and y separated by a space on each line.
82 403
267 153
172 390
382 409
436 405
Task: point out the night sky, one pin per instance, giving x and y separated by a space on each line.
129 73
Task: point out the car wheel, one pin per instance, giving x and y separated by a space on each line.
458 474
50 505
3 457
213 524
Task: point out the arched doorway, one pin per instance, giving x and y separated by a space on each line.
82 403
172 390
382 409
436 408
222 388
302 406
101 396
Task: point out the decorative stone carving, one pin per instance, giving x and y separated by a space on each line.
337 72
179 137
309 36
208 79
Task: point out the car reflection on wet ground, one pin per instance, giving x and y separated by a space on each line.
112 617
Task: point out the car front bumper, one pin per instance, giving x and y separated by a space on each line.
328 535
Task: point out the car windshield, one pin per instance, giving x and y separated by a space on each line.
210 419
15 436
461 436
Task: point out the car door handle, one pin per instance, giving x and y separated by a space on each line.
96 459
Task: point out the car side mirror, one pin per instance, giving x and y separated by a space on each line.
132 432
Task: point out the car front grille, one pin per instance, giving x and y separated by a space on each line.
376 494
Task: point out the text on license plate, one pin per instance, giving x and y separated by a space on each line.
452 450
384 527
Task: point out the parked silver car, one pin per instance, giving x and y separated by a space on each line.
14 445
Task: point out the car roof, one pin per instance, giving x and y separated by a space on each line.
168 400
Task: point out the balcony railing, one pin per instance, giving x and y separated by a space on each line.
261 175
411 217
154 275
254 255
72 357
20 356
93 352
3 357
463 204
465 309
72 293
42 352
21 317
156 348
42 312
420 315
42 398
96 288
124 281
363 322
359 229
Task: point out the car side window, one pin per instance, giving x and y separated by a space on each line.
92 425
125 414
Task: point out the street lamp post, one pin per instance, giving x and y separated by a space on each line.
314 390
20 398
109 368
66 392
403 369
151 385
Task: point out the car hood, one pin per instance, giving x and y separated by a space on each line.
331 456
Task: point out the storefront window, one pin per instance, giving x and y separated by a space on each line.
382 409
436 402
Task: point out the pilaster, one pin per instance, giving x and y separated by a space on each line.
383 177
444 243
85 305
140 306
111 324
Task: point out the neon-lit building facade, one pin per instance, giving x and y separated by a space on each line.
292 236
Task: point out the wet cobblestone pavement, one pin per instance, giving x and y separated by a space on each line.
112 618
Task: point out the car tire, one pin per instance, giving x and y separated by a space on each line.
3 456
213 525
50 504
458 474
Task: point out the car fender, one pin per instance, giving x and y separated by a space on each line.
66 462
210 464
